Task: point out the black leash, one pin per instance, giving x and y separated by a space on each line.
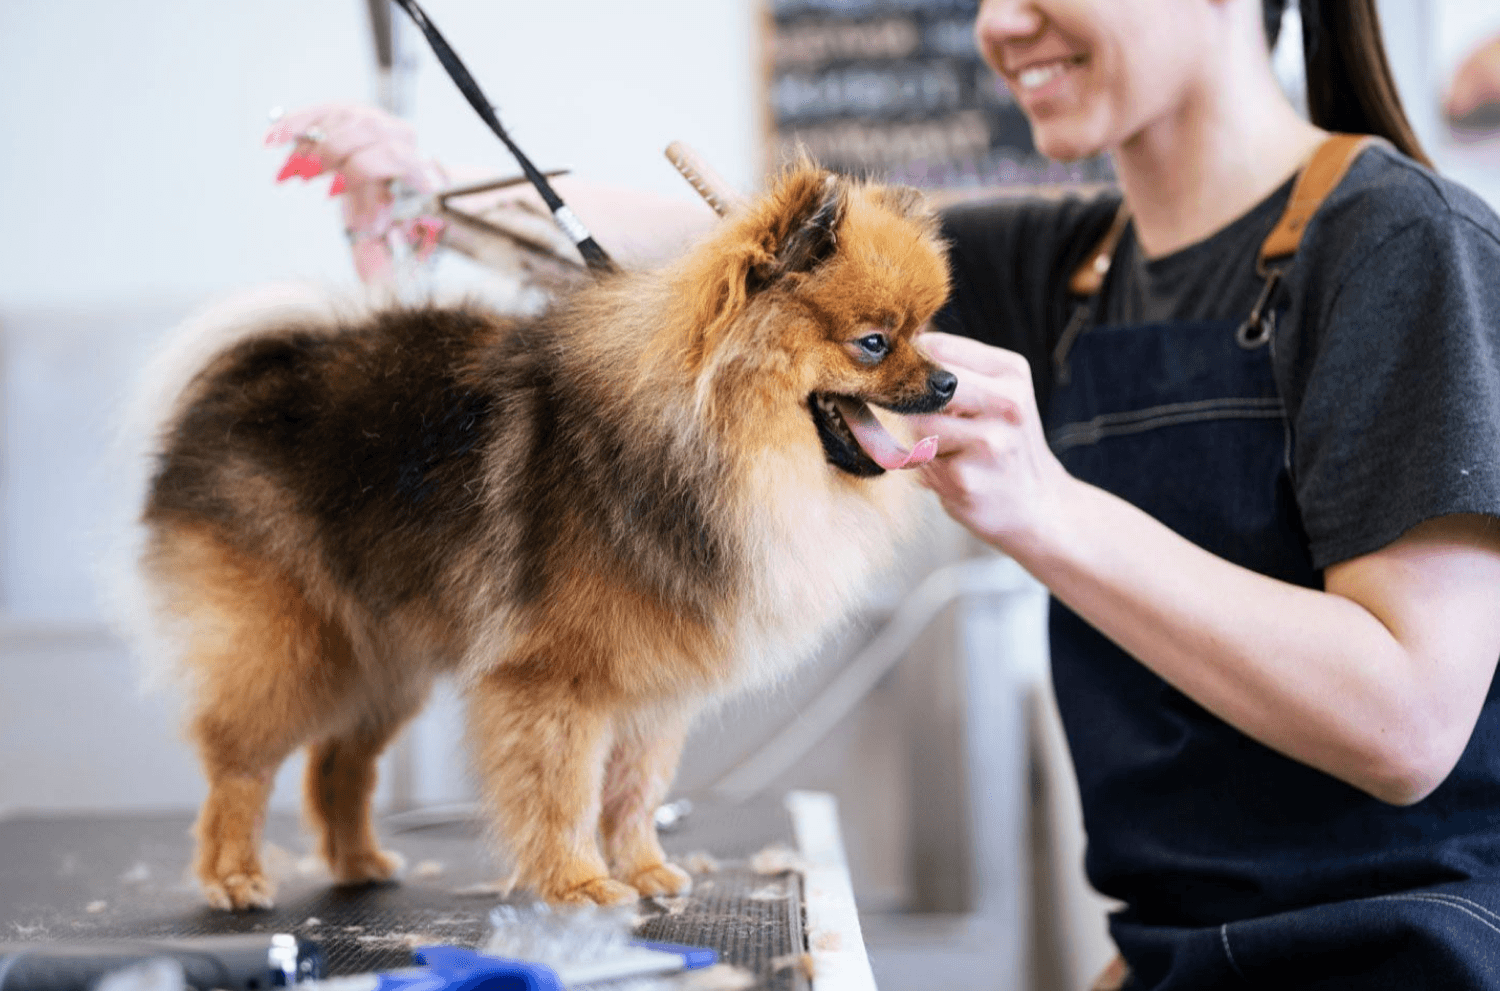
597 259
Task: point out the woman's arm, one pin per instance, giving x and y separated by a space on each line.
1377 681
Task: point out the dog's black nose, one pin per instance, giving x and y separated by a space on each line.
942 383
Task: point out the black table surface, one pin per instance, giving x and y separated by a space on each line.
98 876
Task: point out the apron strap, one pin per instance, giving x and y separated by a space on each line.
1085 283
1323 172
1088 277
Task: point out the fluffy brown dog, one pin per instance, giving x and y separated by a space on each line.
600 521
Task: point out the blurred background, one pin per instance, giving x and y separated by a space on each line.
135 189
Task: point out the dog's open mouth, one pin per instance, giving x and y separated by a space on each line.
855 441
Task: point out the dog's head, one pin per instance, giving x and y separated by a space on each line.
828 280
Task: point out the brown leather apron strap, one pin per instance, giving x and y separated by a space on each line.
1088 277
1318 178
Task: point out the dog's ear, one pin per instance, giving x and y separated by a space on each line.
794 228
816 237
806 233
904 201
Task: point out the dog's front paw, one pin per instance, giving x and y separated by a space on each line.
237 892
598 891
662 879
367 867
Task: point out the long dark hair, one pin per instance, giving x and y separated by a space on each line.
1349 84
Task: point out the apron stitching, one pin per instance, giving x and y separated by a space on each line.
1440 900
1099 426
1092 431
1234 964
1445 896
1255 402
1461 899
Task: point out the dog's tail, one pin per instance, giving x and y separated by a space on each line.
151 406
159 391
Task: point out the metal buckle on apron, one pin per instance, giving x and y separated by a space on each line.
1258 326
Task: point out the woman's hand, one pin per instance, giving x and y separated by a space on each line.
994 471
368 151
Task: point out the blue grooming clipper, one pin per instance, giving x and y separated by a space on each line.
452 968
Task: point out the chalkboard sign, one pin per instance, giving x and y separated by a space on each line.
896 89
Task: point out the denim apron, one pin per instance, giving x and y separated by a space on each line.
1240 867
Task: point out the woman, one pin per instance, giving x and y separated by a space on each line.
1272 542
1263 492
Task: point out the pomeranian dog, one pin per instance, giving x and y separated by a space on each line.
601 520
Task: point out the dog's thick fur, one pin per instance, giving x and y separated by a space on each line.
600 520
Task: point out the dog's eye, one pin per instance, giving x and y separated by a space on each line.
874 345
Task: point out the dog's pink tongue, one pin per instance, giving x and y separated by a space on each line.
882 448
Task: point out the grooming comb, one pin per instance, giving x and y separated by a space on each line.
716 192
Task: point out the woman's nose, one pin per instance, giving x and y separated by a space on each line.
1002 21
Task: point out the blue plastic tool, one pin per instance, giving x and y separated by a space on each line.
452 968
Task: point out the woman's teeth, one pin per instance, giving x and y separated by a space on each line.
1041 75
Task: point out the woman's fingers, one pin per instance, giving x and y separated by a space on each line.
990 379
963 353
362 144
367 150
980 396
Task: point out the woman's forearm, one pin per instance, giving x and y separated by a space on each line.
1310 673
637 227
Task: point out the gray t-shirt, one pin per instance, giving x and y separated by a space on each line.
1386 349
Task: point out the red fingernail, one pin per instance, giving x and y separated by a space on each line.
278 134
293 166
312 167
338 184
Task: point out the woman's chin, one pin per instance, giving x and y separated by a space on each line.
1062 143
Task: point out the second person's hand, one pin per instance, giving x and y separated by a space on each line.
367 150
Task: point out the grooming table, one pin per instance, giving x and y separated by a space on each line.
126 875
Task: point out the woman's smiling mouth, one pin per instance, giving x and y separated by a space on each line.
1031 78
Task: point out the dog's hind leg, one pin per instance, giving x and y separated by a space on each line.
640 772
263 684
539 751
338 786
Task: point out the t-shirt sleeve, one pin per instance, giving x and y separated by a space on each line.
1399 419
1010 259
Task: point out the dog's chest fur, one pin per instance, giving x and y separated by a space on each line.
813 552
